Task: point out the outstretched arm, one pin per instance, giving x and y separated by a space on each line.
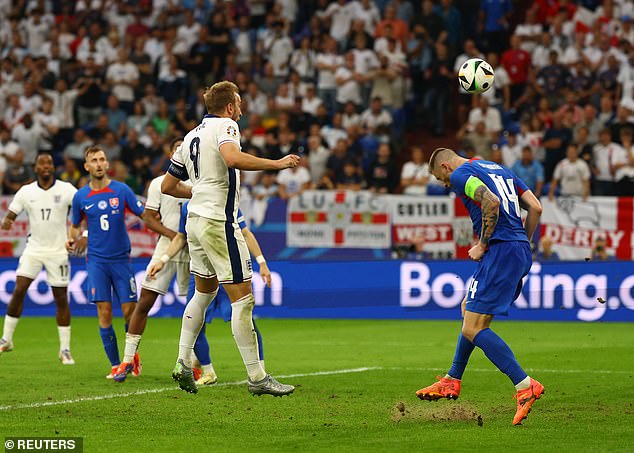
173 186
176 244
8 220
256 251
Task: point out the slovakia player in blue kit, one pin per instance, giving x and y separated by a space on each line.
493 195
103 203
220 307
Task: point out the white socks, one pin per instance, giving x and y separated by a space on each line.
208 369
523 384
131 345
10 324
245 338
64 338
193 319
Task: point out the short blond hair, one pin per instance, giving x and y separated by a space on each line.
219 95
440 155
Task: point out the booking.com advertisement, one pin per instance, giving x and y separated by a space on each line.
570 291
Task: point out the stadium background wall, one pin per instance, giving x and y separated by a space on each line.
381 289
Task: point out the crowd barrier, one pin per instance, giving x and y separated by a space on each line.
382 289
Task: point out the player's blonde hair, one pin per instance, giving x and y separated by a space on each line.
219 95
440 155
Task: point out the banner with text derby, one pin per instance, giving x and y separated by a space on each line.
574 225
380 289
338 219
12 242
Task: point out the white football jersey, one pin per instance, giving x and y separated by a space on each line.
215 187
48 213
170 209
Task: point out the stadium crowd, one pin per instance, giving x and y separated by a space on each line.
338 82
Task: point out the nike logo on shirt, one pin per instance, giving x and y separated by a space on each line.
88 206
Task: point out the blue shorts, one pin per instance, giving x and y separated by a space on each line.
497 281
108 277
220 307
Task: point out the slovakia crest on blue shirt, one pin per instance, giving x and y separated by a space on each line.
114 203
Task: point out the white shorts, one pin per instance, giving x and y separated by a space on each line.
161 282
217 248
57 268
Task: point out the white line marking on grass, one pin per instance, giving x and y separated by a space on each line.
530 370
167 389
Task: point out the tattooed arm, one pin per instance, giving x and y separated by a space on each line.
490 205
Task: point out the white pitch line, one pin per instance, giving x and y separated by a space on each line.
530 370
167 389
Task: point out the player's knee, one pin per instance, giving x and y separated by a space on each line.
470 332
104 312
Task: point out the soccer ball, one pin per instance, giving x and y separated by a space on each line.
476 76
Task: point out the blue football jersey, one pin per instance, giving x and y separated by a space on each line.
104 211
503 183
183 221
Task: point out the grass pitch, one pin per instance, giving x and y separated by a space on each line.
365 403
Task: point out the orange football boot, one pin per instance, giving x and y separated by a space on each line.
136 371
525 399
443 388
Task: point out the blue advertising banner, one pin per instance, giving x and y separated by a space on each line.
382 289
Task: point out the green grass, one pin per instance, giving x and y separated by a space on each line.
587 370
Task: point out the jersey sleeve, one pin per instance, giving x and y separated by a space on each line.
76 209
177 164
464 181
242 223
153 201
131 201
229 132
521 185
17 204
70 194
183 220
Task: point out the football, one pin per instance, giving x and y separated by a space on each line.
476 76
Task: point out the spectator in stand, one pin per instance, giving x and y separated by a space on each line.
489 116
348 83
335 162
530 32
70 172
117 118
317 158
327 63
340 13
624 175
546 252
511 150
29 137
415 174
600 251
293 181
622 121
517 63
17 175
334 132
573 174
382 175
399 27
9 152
530 171
376 120
350 117
350 178
555 142
432 22
551 80
267 187
477 139
439 77
608 156
494 23
123 77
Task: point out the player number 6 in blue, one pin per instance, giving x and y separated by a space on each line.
194 154
103 222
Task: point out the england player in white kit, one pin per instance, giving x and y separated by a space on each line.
210 157
163 217
47 203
